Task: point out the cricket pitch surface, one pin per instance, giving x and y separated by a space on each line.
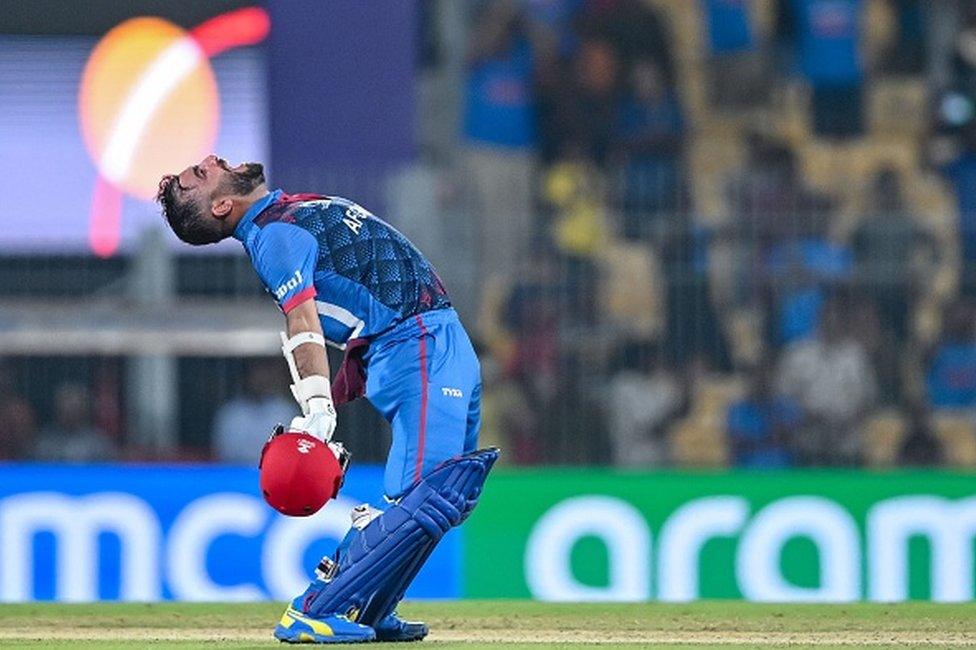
511 624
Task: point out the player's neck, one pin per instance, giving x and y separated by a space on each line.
241 206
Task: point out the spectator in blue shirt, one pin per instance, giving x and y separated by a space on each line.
499 108
803 268
951 377
760 426
739 69
954 155
649 146
729 25
500 136
829 43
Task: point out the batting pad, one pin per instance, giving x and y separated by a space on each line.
383 559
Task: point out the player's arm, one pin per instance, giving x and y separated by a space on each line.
310 359
284 255
304 350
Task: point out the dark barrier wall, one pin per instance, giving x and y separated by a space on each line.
352 63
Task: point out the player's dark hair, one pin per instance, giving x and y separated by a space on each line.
185 215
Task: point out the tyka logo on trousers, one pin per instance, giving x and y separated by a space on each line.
451 392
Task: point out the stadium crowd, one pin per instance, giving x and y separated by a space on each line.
722 232
788 321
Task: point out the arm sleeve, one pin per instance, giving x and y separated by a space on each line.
284 257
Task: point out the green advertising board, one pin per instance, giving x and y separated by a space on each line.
813 536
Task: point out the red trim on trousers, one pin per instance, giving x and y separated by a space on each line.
422 433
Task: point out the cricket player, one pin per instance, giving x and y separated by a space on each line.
344 277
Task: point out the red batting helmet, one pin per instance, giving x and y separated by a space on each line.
300 473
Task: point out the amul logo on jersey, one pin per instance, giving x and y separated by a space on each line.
949 526
292 283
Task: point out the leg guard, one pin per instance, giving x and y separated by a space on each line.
382 560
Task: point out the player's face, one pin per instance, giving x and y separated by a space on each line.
213 178
197 201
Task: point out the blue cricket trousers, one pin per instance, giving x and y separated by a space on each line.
423 376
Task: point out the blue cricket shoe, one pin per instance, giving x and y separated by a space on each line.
394 628
296 627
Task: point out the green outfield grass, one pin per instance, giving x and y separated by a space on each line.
511 624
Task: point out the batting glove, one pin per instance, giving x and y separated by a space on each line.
320 422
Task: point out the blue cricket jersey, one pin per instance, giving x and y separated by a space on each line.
364 275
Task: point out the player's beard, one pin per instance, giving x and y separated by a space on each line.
242 183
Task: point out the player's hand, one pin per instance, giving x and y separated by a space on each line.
320 423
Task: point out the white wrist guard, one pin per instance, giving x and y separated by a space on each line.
288 345
314 393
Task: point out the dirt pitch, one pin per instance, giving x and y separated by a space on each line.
512 624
